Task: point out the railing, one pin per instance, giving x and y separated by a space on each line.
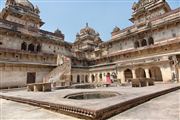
56 75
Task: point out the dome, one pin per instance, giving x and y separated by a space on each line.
58 32
25 3
87 30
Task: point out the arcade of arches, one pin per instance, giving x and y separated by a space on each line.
80 78
160 73
31 47
153 72
144 42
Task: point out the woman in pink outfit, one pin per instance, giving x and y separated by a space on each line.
108 79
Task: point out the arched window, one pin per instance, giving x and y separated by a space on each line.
24 46
155 73
140 73
128 74
92 78
82 78
143 43
31 48
38 49
78 78
100 75
136 44
71 78
86 79
151 41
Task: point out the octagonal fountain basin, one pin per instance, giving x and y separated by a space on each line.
92 95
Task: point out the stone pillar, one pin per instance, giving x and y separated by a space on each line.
147 73
179 74
134 73
90 78
166 72
82 78
121 76
104 76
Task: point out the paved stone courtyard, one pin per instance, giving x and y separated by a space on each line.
18 111
167 106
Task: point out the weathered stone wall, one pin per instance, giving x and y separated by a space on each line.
14 42
159 35
179 72
16 75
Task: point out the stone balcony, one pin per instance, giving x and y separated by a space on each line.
24 57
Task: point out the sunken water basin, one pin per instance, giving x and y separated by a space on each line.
92 95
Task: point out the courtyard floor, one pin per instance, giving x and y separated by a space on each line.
165 107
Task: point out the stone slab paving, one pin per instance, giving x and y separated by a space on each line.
57 96
17 111
166 107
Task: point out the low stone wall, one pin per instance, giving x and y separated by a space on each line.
38 87
82 113
142 82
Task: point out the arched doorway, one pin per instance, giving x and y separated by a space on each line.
78 78
143 43
24 46
155 73
92 78
140 73
86 79
38 49
31 48
71 78
128 74
150 41
136 44
100 76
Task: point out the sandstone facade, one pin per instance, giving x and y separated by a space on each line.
147 49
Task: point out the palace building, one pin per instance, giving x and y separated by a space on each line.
150 48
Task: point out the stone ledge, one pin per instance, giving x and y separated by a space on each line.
91 114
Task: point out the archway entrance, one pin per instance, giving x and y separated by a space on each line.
143 43
100 76
150 41
78 78
155 73
31 48
31 77
140 73
92 78
24 46
86 79
128 74
136 44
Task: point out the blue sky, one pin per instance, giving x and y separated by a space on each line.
71 15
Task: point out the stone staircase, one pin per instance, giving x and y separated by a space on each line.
61 75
